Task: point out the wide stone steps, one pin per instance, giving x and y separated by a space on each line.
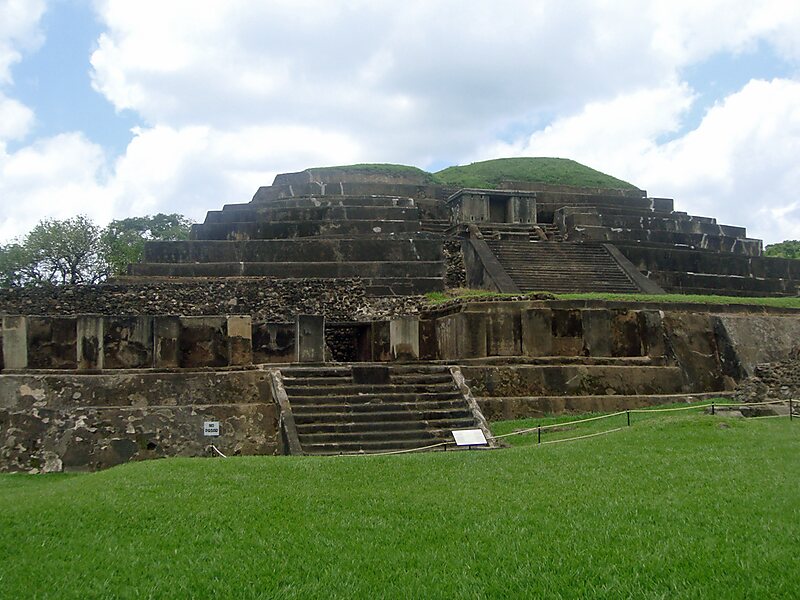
359 400
561 267
348 426
403 248
263 230
331 200
374 447
294 270
395 408
389 415
370 390
312 213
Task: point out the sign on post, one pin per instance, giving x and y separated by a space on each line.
469 437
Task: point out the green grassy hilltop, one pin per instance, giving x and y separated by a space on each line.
678 507
554 171
491 173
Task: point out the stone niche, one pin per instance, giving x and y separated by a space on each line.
273 342
52 342
517 329
492 206
95 342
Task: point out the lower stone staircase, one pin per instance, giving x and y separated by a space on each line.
561 267
372 409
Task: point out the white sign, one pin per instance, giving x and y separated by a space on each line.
469 437
211 428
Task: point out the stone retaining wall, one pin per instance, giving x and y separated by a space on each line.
87 422
264 299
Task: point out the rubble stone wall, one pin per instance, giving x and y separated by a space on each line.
87 422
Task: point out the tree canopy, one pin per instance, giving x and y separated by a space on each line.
785 249
76 251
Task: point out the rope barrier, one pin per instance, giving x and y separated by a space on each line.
581 437
538 427
213 447
404 451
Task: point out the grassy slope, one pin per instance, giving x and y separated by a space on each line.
559 171
785 302
672 507
490 173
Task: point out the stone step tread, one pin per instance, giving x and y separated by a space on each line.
410 379
372 398
376 434
373 447
400 412
353 389
349 426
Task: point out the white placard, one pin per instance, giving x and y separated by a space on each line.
211 428
469 437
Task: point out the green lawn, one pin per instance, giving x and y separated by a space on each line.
785 302
679 506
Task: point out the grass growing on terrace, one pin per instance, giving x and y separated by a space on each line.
673 507
387 169
786 302
555 171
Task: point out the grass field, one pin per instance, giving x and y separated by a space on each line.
672 507
786 302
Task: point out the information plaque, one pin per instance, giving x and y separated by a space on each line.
469 437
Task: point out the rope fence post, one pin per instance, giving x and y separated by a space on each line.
628 413
540 434
712 409
791 412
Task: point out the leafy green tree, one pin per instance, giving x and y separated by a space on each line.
56 252
123 240
785 249
75 251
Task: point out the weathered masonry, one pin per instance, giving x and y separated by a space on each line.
295 323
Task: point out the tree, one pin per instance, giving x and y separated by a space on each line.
785 249
56 252
75 251
123 240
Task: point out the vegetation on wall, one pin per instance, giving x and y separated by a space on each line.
77 251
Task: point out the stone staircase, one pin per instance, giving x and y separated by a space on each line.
343 410
521 231
561 267
376 238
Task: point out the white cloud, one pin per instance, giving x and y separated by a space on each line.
739 165
16 119
19 30
233 91
56 178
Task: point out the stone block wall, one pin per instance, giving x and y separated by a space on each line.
516 329
87 422
96 342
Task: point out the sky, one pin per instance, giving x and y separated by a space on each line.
116 108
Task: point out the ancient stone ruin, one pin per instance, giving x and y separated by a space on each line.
296 323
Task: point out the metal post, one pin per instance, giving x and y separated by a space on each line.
712 408
540 434
628 414
791 416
